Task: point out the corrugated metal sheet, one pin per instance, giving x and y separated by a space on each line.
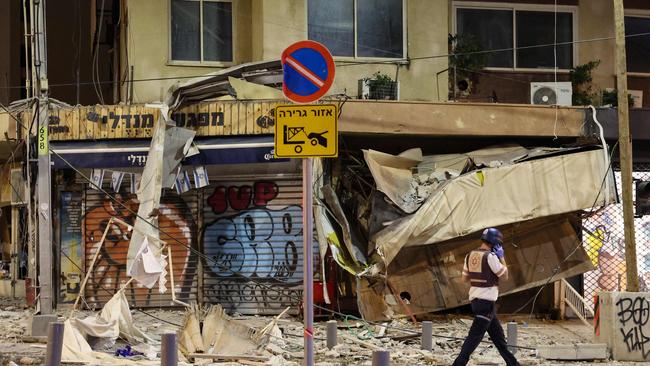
177 226
252 234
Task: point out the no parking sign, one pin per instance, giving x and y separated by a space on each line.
308 71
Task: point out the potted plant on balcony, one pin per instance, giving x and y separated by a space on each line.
380 86
465 62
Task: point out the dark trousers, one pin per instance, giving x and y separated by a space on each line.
485 320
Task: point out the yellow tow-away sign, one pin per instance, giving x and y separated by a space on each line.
303 131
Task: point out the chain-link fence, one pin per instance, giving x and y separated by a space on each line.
603 239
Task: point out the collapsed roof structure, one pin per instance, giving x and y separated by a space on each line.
409 237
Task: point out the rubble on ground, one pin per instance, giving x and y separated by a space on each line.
356 339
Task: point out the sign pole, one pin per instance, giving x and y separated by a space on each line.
308 258
307 131
44 181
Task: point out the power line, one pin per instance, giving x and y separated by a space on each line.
555 44
356 63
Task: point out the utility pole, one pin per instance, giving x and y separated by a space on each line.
44 209
625 148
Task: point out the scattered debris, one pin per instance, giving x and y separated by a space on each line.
212 331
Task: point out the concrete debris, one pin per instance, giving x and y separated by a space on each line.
284 348
574 352
212 331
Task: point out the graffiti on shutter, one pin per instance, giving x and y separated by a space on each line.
177 223
252 236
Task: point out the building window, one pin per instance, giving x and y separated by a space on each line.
519 29
201 30
637 47
358 28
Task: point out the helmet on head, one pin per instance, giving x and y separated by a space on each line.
492 236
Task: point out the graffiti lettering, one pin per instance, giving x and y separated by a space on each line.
637 310
255 249
233 294
633 315
256 243
635 340
242 197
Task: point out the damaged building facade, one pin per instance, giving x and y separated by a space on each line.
390 230
416 181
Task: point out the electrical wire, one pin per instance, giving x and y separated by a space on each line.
353 63
497 50
100 286
95 62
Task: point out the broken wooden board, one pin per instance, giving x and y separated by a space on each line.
429 277
225 357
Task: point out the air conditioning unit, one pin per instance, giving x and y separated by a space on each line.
17 187
551 93
390 92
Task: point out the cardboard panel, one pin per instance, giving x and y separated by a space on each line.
430 277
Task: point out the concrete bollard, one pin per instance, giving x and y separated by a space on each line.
331 334
168 350
381 358
512 337
427 336
54 344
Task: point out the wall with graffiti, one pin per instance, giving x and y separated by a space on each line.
603 239
253 238
250 232
177 223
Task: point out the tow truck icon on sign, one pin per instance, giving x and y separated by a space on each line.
314 138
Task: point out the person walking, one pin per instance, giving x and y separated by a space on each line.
483 268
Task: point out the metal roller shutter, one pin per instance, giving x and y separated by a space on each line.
252 236
177 227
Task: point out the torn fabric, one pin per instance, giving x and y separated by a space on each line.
393 175
327 236
169 146
149 192
498 196
177 146
113 321
351 239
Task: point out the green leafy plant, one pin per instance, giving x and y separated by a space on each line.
382 86
610 97
465 56
580 77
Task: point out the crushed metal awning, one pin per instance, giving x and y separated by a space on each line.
527 185
411 230
218 84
